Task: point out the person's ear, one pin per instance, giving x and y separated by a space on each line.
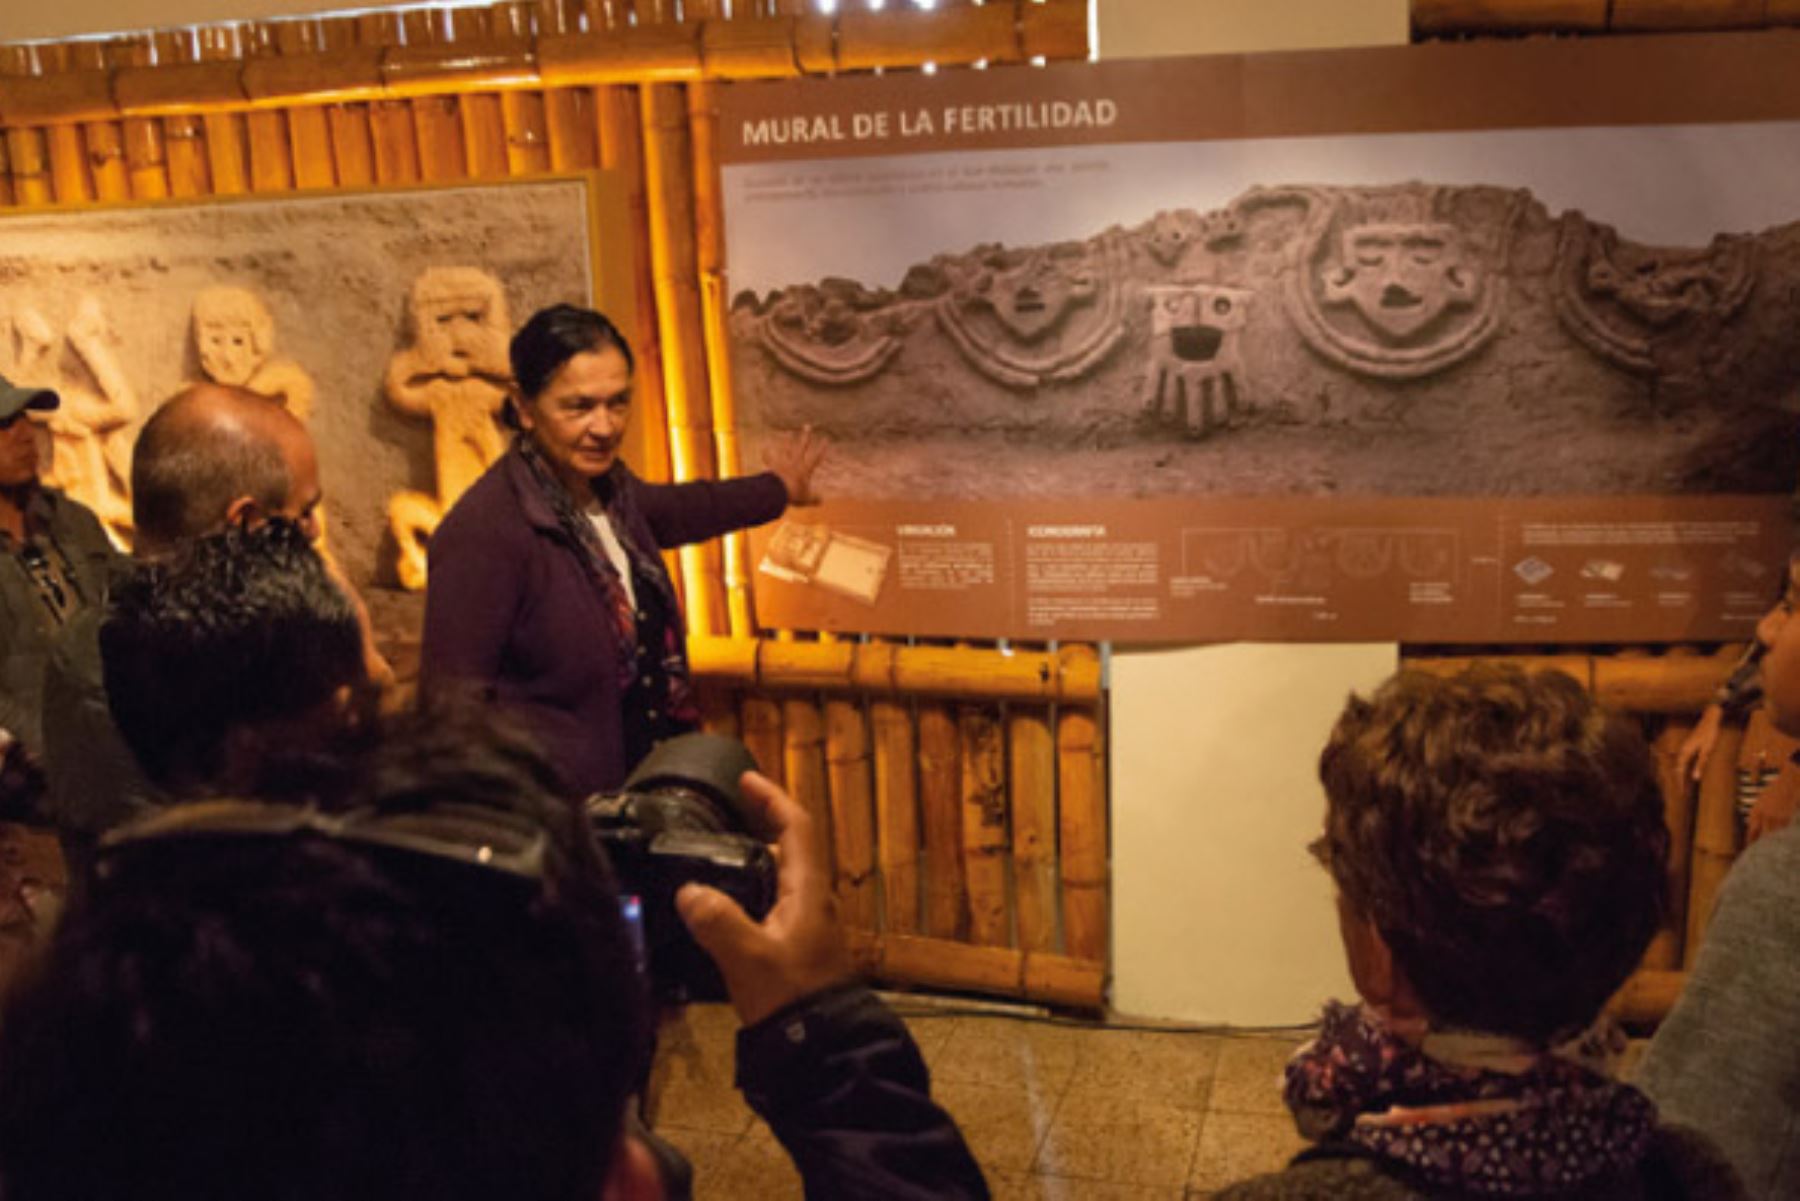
244 513
633 1175
1378 976
520 409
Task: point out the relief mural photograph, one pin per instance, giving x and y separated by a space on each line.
1408 339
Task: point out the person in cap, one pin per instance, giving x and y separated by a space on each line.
54 562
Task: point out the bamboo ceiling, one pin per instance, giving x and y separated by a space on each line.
518 44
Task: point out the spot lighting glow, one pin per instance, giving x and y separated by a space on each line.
929 68
1038 60
828 6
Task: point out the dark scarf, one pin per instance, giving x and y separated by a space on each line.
1516 1124
655 590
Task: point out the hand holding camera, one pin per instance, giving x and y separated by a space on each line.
795 951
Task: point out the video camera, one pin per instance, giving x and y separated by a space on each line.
678 820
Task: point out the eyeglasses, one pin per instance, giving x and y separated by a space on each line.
471 835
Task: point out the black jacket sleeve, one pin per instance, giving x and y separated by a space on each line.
843 1086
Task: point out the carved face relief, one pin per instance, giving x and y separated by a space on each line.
1195 376
1647 309
460 318
824 339
1025 318
233 333
1169 236
1035 295
1402 277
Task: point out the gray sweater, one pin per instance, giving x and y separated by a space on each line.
1681 1166
1727 1060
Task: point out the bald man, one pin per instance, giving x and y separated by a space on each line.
213 456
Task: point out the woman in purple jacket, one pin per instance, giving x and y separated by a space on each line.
547 593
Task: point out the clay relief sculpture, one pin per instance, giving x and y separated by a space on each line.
1398 282
1168 236
1649 310
456 374
1195 376
1029 317
234 337
830 337
90 457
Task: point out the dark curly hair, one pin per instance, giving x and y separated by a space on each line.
291 1016
1505 835
235 630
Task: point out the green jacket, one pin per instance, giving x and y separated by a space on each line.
28 629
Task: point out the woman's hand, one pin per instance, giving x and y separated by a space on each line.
794 459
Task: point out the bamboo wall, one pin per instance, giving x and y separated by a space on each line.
963 788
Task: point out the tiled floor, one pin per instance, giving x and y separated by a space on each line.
1053 1112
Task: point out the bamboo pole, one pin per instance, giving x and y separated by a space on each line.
437 124
527 137
1082 826
896 814
1634 16
803 762
569 116
621 151
969 673
190 166
940 812
309 128
1715 838
227 149
718 710
105 151
28 152
848 772
1678 815
1437 17
984 824
7 197
484 135
69 175
937 963
271 153
668 174
146 159
709 246
352 144
762 733
1031 759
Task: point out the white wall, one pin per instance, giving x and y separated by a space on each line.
1160 28
1218 914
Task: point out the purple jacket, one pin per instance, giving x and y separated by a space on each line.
512 611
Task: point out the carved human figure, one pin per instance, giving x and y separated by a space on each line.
1401 277
234 336
1195 375
90 446
456 374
